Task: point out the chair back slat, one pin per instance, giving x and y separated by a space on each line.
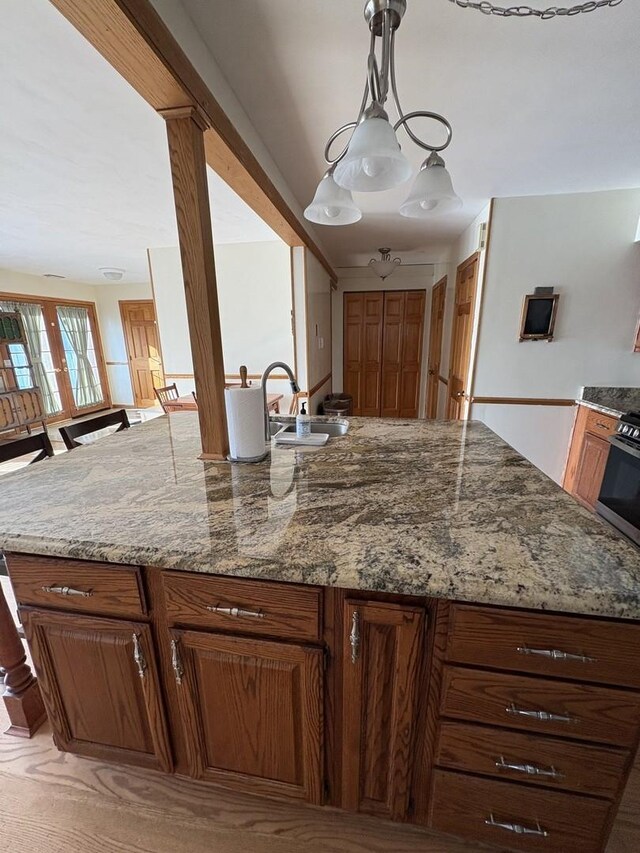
30 444
77 430
167 394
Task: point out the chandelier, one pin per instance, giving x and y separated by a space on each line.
385 264
372 161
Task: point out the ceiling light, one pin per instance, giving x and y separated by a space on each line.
332 205
432 191
372 160
384 265
112 273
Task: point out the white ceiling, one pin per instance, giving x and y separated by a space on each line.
84 169
536 106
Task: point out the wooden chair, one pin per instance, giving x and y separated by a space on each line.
30 444
195 399
166 395
73 431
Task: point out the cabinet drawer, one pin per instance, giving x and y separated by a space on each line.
471 807
569 710
599 424
561 646
511 755
243 606
77 585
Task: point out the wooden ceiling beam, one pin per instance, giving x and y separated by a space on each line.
133 38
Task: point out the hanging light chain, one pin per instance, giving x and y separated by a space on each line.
488 8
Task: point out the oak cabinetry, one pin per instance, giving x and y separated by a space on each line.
588 455
100 686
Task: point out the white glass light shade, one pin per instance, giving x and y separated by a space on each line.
332 205
432 193
384 268
374 160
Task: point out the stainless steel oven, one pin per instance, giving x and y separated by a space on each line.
619 499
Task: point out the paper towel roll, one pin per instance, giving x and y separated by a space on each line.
245 420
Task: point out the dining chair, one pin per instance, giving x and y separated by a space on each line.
30 444
77 430
195 399
166 395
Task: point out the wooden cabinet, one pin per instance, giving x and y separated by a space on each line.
252 712
100 686
383 645
588 455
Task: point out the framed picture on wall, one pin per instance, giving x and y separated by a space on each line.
539 316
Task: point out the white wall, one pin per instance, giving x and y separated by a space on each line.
582 245
358 279
37 285
254 293
318 330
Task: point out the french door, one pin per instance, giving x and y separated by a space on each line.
65 350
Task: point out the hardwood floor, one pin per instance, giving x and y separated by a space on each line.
52 802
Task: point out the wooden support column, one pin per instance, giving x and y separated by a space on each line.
185 129
21 692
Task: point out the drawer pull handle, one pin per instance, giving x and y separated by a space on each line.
518 828
354 636
555 654
529 769
543 716
138 656
600 425
176 662
67 590
236 611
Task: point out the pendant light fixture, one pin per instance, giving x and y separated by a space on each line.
372 160
384 265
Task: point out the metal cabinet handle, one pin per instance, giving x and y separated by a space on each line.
543 716
67 590
138 656
354 636
518 828
176 662
600 425
555 654
529 769
236 611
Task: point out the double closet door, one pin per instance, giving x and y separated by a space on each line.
383 351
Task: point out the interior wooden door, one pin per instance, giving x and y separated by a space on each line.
462 329
143 349
402 353
436 324
383 644
363 322
252 712
100 686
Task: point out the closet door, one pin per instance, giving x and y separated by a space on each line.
402 353
363 321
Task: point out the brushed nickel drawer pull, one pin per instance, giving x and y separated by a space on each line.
354 636
518 828
529 769
67 590
176 662
236 611
555 654
600 425
138 656
542 716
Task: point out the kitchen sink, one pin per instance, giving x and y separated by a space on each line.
332 429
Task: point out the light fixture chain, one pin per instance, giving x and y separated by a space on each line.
488 8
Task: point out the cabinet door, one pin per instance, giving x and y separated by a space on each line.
252 712
383 645
100 686
593 460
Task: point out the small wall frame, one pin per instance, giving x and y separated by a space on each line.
539 316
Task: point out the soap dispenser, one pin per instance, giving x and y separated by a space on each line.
303 423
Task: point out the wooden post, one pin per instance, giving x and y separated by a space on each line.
185 130
21 692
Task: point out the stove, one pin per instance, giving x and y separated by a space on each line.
619 499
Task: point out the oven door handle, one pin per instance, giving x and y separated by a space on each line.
621 444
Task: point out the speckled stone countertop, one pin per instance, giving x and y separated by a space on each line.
611 401
443 509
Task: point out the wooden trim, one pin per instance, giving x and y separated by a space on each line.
21 297
133 38
256 376
117 363
322 382
636 347
481 303
179 376
524 401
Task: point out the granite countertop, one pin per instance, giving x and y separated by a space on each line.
611 400
443 509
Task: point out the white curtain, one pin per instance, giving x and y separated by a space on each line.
86 387
33 321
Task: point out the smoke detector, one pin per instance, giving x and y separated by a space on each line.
112 273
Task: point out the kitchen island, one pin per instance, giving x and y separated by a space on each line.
359 625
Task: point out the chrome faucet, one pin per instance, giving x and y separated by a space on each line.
295 388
